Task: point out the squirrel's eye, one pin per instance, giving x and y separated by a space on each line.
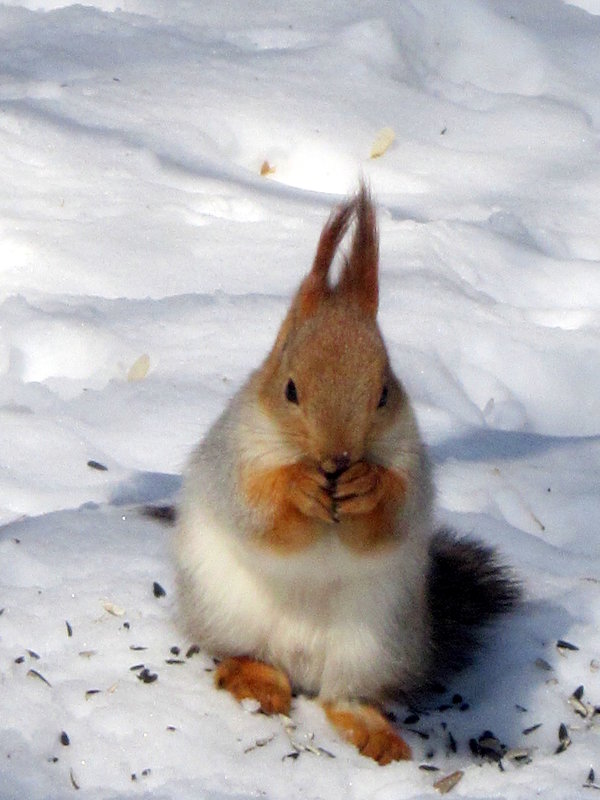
383 398
290 392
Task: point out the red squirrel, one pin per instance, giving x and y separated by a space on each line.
306 552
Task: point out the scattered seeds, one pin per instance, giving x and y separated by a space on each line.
175 651
113 609
452 744
259 743
87 653
73 779
139 368
19 659
429 768
266 169
69 628
97 465
520 755
91 693
563 738
411 719
35 674
137 647
541 663
489 747
136 667
444 785
591 780
383 140
532 728
564 645
147 677
158 590
34 655
64 739
584 710
174 661
192 651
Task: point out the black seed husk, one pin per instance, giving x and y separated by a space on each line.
73 781
147 677
35 674
158 590
564 739
411 719
564 645
192 651
175 650
97 465
64 739
69 628
532 728
578 693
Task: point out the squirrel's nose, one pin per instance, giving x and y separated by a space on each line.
333 466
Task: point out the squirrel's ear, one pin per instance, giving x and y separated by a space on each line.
359 277
315 287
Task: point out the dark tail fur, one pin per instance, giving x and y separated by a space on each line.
468 588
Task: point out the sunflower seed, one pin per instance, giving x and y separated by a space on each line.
444 785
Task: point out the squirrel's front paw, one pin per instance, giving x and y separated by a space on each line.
310 491
359 489
364 486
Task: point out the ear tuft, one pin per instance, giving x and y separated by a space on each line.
360 275
315 286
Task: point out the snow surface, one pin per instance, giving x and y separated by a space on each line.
134 220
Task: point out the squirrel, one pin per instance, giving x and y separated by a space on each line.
306 553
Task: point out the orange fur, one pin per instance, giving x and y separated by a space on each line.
246 678
295 501
367 729
368 499
298 500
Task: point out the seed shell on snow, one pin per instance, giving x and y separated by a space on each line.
448 782
113 609
158 590
563 645
35 674
563 738
531 728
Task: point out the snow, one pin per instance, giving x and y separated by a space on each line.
134 221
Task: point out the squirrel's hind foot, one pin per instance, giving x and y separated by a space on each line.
366 728
246 678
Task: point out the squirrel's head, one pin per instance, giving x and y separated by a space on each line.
327 383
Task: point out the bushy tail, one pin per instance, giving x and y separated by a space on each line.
468 588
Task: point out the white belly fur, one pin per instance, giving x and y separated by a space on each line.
340 624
